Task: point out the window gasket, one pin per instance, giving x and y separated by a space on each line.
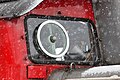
37 61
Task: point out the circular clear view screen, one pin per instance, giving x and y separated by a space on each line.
53 38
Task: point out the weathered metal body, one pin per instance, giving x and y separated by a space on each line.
14 62
107 16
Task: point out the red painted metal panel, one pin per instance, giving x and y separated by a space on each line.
71 8
13 52
36 72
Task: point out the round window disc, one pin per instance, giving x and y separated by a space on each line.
53 39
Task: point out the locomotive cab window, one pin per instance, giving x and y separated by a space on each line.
60 40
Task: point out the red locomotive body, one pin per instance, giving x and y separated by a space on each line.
14 61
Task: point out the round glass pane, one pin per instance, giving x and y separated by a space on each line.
53 39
